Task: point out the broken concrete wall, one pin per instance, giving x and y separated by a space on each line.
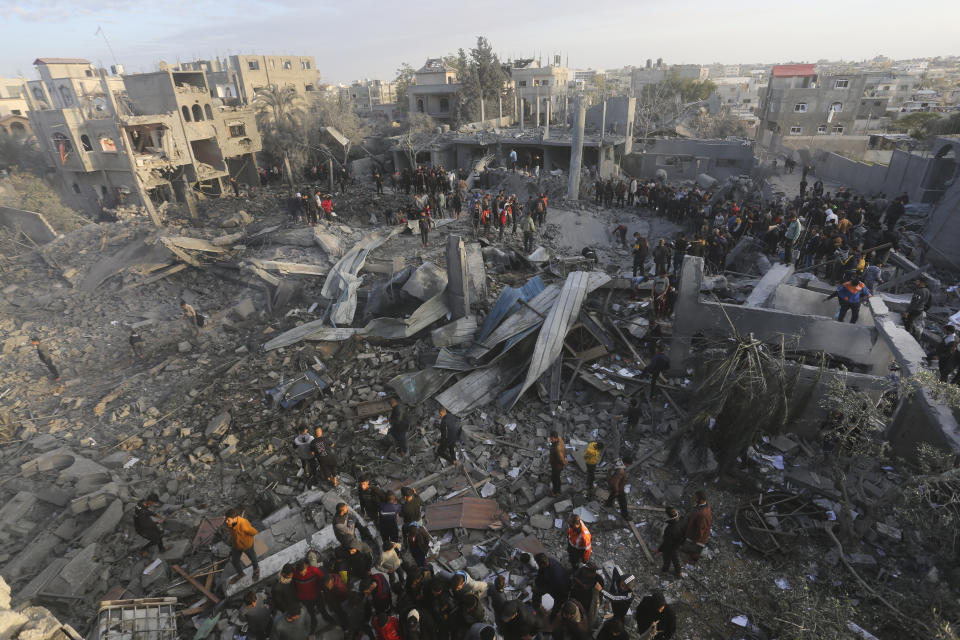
33 224
686 159
812 333
808 302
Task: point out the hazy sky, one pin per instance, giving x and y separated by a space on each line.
360 38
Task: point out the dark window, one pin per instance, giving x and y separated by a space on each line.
197 113
186 113
208 112
238 130
76 188
444 105
16 112
66 95
85 143
253 65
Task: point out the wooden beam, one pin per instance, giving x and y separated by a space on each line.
643 544
199 587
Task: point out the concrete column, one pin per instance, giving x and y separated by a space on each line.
576 150
538 111
521 114
458 278
688 294
603 121
546 126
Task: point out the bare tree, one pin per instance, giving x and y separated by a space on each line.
420 134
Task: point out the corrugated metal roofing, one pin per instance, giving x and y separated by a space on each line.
507 303
466 512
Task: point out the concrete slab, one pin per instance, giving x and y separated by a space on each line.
16 508
764 290
40 581
106 523
269 566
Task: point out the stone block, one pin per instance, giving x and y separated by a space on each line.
563 505
218 425
184 347
541 522
176 550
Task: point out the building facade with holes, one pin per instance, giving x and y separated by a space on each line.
434 89
799 101
140 137
251 72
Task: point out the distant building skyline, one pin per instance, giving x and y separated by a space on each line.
372 42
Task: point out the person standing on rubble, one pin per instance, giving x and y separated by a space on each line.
147 524
418 542
697 531
591 457
558 459
412 508
192 318
44 354
399 425
389 521
257 615
661 257
918 306
579 542
301 445
513 159
449 436
321 449
790 237
672 541
242 536
379 180
529 229
425 221
850 294
617 483
658 364
640 251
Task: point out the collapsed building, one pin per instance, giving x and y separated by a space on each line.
140 139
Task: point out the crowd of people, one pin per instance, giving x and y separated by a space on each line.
387 581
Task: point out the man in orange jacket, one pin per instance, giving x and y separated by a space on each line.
241 542
579 542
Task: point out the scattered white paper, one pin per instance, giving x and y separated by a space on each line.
510 427
129 463
513 473
152 566
487 490
741 621
783 584
558 523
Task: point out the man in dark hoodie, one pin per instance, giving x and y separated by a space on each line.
673 537
654 610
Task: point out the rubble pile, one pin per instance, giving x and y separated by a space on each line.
205 419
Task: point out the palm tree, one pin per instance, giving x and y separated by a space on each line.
280 118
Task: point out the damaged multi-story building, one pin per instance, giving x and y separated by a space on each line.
138 139
236 79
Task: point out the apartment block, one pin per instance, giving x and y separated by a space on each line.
141 139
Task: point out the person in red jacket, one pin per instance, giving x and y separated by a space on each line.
306 580
698 526
386 627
